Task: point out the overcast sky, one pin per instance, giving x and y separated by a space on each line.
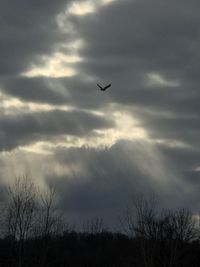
98 148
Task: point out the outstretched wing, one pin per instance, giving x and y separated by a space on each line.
100 86
109 85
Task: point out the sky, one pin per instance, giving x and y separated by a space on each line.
98 148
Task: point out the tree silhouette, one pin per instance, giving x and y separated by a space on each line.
35 234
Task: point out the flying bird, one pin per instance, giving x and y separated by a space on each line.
104 88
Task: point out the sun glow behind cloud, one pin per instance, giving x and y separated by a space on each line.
57 65
13 105
126 128
60 64
82 8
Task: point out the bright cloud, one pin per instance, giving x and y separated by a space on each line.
159 80
13 105
81 8
55 66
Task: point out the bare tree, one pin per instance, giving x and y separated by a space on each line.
183 225
20 211
179 230
93 226
160 234
138 213
49 219
29 212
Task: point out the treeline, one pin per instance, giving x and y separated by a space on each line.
34 233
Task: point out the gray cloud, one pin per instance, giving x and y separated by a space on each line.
129 39
28 31
24 129
124 41
38 89
74 91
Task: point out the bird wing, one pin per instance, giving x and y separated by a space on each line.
109 85
99 86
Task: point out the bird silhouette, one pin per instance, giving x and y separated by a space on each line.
103 88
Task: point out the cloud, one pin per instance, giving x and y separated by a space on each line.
73 91
39 89
149 51
101 182
29 31
127 41
24 129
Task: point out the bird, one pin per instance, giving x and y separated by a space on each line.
103 88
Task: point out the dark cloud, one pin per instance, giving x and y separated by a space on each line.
185 159
73 91
38 89
24 129
143 35
28 31
129 39
124 42
175 127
